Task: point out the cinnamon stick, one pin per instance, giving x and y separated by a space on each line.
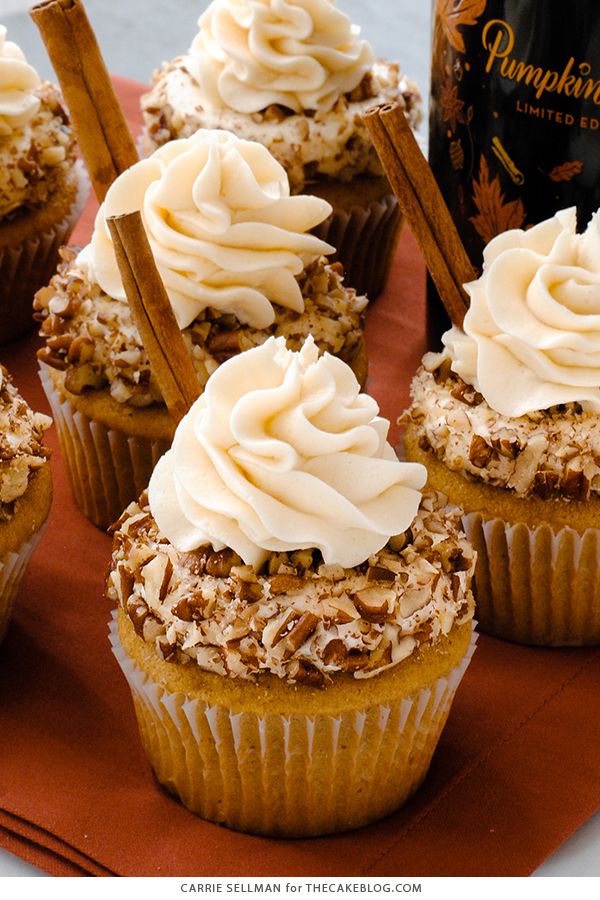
421 200
106 143
153 314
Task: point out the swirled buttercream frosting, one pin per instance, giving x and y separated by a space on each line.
301 54
18 81
531 336
282 452
224 231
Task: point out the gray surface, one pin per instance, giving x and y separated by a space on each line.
136 36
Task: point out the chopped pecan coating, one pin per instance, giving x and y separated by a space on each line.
553 453
93 338
302 627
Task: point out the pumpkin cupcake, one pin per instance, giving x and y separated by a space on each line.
296 78
25 490
239 264
507 421
42 187
294 614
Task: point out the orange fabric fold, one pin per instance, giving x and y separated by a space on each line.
517 769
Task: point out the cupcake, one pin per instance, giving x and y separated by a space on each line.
239 265
296 78
25 490
507 421
42 187
294 614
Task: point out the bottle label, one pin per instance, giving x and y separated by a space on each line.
515 112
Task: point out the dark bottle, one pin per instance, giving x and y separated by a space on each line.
514 125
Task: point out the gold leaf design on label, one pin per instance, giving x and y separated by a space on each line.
452 13
452 105
457 155
495 213
566 171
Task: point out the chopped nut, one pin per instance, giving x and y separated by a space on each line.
334 653
545 483
373 603
220 562
250 591
190 609
305 672
300 633
157 575
575 484
379 573
282 584
137 611
480 451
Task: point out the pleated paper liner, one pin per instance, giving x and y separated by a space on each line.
290 775
365 235
12 569
27 265
107 468
536 586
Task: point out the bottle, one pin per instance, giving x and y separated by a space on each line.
514 125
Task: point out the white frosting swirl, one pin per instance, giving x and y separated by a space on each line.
532 334
282 452
301 54
18 81
222 226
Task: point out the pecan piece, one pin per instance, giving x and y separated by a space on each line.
190 608
157 575
250 591
138 612
305 672
126 582
380 573
81 349
195 560
300 632
372 603
223 345
466 393
480 451
544 483
281 584
220 562
167 649
575 484
334 653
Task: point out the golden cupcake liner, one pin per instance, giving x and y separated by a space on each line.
30 264
12 569
107 468
535 586
365 238
290 776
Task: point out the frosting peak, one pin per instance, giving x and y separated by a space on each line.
301 54
222 226
532 333
282 452
18 81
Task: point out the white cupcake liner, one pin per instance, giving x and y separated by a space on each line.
12 569
107 468
293 776
30 264
536 586
365 238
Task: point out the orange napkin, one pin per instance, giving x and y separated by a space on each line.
517 769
